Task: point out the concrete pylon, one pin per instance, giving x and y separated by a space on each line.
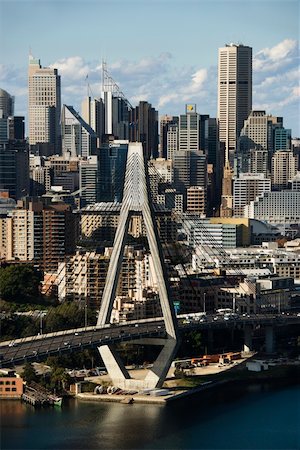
136 199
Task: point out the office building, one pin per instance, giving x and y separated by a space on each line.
259 162
246 187
6 104
41 233
234 94
112 165
277 207
14 168
78 138
172 140
44 105
261 131
164 126
196 200
284 168
92 112
144 128
89 180
189 129
40 175
282 139
190 169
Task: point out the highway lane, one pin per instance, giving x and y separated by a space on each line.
39 347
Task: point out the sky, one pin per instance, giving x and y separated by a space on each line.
162 51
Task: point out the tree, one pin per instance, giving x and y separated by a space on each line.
29 373
20 283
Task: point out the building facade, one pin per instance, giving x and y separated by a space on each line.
44 104
234 94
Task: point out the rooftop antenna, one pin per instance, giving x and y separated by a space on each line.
88 87
109 85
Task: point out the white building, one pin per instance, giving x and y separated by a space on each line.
92 112
278 207
234 94
44 104
172 141
284 167
246 187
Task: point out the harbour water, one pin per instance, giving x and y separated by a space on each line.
256 416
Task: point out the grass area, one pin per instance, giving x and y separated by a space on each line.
240 374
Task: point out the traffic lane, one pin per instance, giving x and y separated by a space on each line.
56 343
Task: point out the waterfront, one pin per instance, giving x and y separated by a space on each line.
257 416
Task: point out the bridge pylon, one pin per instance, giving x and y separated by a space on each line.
136 199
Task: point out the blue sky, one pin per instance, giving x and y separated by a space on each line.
162 51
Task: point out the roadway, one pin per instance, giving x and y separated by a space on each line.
35 348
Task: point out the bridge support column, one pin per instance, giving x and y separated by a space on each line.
247 339
269 339
156 374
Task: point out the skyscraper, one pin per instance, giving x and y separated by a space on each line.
92 112
189 129
6 104
144 128
44 105
234 94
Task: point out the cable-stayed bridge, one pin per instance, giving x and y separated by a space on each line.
38 348
164 331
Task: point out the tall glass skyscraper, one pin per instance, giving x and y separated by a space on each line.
112 165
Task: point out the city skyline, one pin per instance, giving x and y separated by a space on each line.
168 65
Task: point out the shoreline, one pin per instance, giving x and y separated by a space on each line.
287 375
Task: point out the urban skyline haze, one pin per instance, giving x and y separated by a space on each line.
163 52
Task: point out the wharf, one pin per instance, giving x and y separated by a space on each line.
150 399
36 395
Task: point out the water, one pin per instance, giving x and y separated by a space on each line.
253 417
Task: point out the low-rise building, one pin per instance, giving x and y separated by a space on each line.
11 385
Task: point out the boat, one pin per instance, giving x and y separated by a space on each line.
57 401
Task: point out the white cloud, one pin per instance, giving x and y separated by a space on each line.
168 87
72 68
277 57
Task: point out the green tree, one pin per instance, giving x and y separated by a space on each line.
29 373
20 283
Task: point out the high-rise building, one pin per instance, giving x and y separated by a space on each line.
282 139
112 165
89 180
261 131
41 233
190 169
92 112
6 104
246 187
234 94
44 105
144 128
172 140
78 138
164 126
259 162
284 168
14 168
189 129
